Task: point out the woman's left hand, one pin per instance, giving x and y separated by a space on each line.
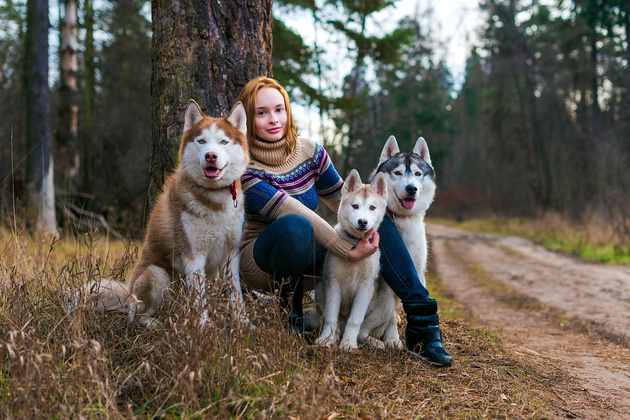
367 246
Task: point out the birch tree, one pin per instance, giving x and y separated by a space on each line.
68 129
40 183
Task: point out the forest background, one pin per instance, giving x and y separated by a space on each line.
539 123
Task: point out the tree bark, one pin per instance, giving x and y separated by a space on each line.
596 110
88 100
626 25
68 130
39 140
205 50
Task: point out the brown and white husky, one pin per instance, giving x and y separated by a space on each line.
354 298
195 228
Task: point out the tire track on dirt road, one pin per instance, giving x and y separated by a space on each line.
493 275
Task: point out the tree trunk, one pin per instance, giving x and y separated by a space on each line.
39 141
205 50
626 25
68 130
88 100
597 112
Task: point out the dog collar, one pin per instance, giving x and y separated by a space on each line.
351 236
390 213
234 193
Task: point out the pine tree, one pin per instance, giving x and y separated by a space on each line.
204 50
123 127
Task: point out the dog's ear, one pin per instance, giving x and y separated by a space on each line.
379 184
193 115
389 150
422 149
353 181
238 118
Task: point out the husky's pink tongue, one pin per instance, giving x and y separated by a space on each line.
408 203
211 172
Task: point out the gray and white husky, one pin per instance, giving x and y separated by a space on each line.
411 188
354 298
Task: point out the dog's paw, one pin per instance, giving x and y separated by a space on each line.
326 341
149 322
350 346
374 342
394 344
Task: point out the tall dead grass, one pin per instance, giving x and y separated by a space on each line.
86 364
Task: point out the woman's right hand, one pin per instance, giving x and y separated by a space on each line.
367 246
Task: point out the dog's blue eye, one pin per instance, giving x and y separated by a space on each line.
372 208
224 142
355 206
202 141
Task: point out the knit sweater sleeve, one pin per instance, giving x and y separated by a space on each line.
263 198
324 233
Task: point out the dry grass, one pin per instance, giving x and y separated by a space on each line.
86 364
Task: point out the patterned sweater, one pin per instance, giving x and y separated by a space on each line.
277 184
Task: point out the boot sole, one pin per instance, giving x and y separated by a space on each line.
430 362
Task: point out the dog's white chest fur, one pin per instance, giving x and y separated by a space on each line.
412 231
353 276
196 225
351 295
211 236
411 185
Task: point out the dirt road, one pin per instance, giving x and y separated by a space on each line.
546 305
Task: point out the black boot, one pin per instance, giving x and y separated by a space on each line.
423 336
291 294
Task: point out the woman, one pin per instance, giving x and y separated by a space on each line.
284 240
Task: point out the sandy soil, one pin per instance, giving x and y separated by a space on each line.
492 276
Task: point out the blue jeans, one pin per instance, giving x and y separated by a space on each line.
287 249
397 267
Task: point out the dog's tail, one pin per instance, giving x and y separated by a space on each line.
105 295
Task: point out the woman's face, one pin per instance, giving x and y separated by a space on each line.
271 114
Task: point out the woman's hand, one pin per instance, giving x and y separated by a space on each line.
367 246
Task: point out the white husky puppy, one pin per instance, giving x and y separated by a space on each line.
351 295
195 228
411 189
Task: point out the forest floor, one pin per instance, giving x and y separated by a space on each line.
534 334
551 309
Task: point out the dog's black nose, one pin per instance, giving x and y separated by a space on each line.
211 157
362 223
411 190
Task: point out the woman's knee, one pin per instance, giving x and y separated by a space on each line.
297 234
296 225
295 231
286 242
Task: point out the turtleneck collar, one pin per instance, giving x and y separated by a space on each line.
269 153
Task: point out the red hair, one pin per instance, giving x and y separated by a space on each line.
248 98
